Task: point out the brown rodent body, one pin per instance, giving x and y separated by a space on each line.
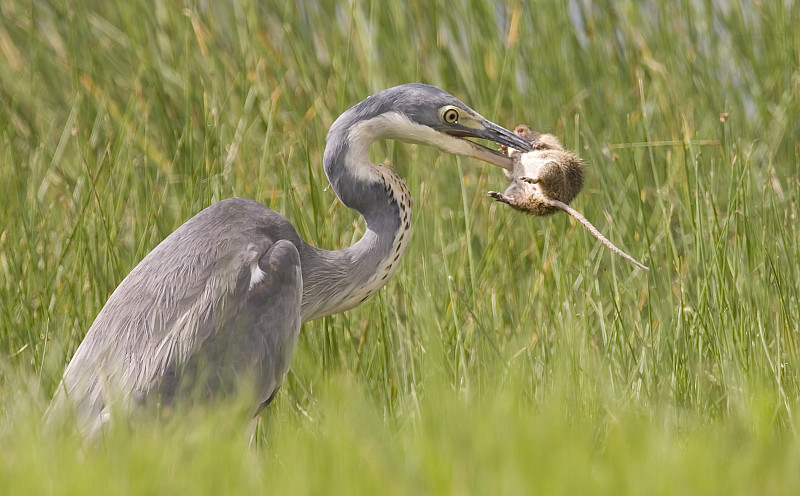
547 173
545 180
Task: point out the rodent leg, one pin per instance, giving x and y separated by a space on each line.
499 197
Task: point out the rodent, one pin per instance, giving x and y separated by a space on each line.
546 179
547 173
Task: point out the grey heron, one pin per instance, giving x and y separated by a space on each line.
222 298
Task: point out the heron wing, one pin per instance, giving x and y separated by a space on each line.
231 274
250 350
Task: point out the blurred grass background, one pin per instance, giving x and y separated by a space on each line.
509 354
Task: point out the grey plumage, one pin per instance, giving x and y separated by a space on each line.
220 300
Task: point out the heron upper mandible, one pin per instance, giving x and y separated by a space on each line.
221 299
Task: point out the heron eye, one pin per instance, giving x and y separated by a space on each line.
450 116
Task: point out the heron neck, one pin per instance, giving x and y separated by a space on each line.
335 281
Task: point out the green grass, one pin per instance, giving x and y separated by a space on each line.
509 354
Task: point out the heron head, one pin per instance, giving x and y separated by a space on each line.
419 113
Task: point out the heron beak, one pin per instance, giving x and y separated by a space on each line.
483 129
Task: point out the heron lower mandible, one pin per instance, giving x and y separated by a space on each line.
221 299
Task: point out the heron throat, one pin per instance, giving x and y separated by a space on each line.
343 279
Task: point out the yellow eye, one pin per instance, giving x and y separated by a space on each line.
450 116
